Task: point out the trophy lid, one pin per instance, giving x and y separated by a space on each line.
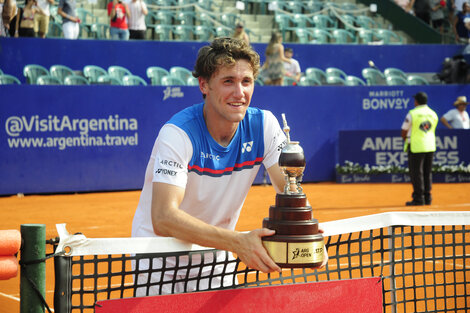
292 155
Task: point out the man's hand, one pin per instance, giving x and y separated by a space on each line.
325 252
249 248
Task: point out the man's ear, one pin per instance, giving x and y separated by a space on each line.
203 85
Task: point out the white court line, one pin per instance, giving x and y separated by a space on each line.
16 298
9 296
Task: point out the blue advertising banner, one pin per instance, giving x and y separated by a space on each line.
92 138
360 152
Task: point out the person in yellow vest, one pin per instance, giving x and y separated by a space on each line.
419 132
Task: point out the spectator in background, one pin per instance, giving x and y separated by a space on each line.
405 5
7 12
118 13
25 19
461 24
70 22
8 16
273 69
41 21
419 133
292 68
437 14
138 11
240 33
457 118
422 9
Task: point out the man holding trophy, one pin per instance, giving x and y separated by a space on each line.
206 158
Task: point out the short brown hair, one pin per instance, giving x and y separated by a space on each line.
224 51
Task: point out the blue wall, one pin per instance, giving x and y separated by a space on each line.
54 113
137 56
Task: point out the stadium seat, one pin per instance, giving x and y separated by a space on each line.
388 36
259 82
118 72
289 81
335 80
348 6
316 73
283 22
55 17
192 81
206 19
86 17
300 20
335 72
160 17
392 71
164 3
48 80
373 76
183 32
309 81
164 32
321 36
180 72
365 36
343 36
366 22
229 19
100 31
294 7
203 33
348 21
33 71
6 79
395 80
84 32
185 18
312 6
183 5
155 74
353 81
55 30
133 80
92 72
108 80
223 31
60 71
416 80
303 35
172 81
207 5
76 80
324 22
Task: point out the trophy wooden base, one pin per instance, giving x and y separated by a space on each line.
297 242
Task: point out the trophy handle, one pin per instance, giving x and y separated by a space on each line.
286 128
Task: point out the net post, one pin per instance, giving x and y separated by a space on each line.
393 294
63 284
33 271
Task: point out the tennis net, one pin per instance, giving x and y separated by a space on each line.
421 258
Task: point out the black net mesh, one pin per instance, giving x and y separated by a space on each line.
423 269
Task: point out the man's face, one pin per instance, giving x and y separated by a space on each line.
228 92
288 54
461 107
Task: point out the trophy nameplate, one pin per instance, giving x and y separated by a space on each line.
297 242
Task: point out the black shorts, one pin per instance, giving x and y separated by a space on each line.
136 34
437 23
26 32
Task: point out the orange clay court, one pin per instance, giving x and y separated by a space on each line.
110 214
